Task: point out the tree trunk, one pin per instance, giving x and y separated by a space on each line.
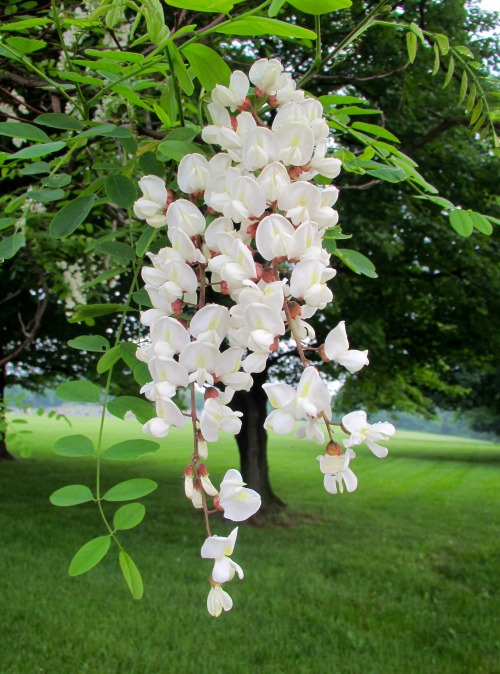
252 441
5 455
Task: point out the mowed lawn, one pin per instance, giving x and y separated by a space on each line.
399 577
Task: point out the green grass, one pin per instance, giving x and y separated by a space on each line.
400 577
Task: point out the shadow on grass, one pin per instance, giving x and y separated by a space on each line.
475 458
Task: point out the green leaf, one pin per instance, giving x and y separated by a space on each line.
89 343
142 298
476 113
57 120
57 180
35 168
471 98
218 6
81 79
411 46
339 99
258 25
131 574
449 74
22 130
129 516
142 409
89 555
79 391
144 240
443 43
120 190
388 174
318 7
25 45
46 196
130 489
176 149
437 60
482 224
463 87
74 446
131 96
418 32
107 361
122 56
73 494
105 276
6 222
356 261
495 221
275 7
128 351
129 450
180 70
356 110
122 251
10 246
141 374
16 26
375 130
465 51
41 150
461 222
439 201
82 313
71 216
149 164
207 65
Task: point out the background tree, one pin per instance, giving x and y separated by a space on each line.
124 99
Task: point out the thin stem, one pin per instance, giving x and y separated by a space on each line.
250 12
68 57
317 24
356 32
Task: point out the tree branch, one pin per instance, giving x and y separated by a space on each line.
446 124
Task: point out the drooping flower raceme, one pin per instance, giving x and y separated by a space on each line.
245 268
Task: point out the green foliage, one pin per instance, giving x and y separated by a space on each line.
130 489
130 450
129 516
74 446
73 494
79 392
89 555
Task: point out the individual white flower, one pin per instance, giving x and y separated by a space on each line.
336 470
265 75
210 324
218 416
219 548
337 348
200 360
193 173
185 216
218 600
235 94
273 179
206 483
221 132
260 148
313 111
311 430
236 262
168 414
296 141
236 500
183 244
228 370
274 236
308 282
357 425
169 337
152 207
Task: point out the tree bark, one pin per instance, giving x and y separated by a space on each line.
252 442
5 455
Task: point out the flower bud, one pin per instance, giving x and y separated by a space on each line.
295 309
333 448
211 392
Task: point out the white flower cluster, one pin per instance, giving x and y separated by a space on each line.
251 229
